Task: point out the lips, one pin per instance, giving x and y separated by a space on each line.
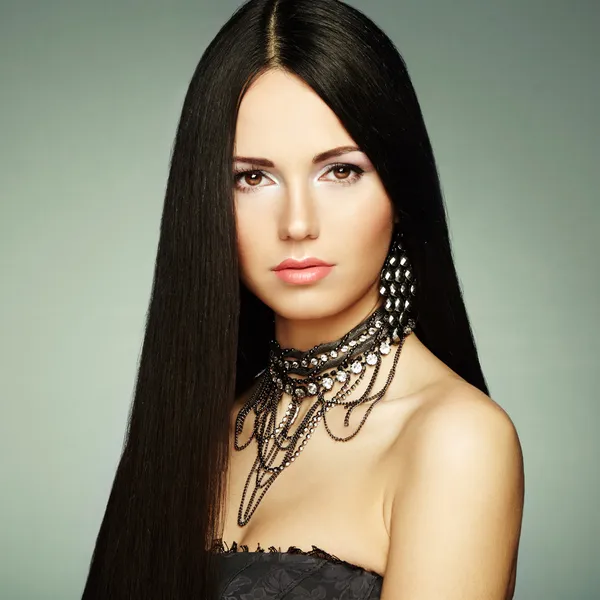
305 263
302 272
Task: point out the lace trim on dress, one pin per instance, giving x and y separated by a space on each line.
221 547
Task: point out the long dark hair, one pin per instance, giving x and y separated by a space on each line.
206 336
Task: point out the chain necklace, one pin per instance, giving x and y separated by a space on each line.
346 362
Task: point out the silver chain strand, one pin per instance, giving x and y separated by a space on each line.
351 357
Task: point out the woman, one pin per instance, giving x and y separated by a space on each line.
309 381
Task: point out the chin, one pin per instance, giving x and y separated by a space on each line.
293 312
312 303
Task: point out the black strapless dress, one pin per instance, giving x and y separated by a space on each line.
273 574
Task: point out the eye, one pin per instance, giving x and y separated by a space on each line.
249 180
342 169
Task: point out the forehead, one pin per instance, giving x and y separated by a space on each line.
280 113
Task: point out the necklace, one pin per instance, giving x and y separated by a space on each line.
327 373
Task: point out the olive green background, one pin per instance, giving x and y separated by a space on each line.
90 94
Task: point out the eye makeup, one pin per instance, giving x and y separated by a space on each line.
240 173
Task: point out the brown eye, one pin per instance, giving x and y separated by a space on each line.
345 173
248 181
342 170
252 177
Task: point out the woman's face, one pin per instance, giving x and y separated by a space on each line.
296 199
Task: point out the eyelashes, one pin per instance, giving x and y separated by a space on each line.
239 174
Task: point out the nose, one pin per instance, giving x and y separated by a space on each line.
298 219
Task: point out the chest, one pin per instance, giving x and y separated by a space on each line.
335 495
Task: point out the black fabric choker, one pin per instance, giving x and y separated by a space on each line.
320 367
326 374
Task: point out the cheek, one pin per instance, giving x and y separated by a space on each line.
251 228
244 247
368 234
372 247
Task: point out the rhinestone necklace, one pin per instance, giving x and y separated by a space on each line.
344 362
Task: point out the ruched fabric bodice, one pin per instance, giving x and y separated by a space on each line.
274 574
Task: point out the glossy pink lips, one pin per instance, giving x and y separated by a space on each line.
301 272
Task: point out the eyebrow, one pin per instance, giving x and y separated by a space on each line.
317 158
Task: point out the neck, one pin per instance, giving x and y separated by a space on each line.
303 334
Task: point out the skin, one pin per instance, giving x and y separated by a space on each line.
298 209
432 486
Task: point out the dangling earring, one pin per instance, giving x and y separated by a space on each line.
398 288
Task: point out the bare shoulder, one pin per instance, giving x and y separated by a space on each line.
457 417
457 497
458 427
444 409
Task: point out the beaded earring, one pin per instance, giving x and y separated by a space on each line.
398 288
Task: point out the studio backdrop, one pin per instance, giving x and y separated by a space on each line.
90 96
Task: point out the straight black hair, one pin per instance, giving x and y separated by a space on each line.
206 336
